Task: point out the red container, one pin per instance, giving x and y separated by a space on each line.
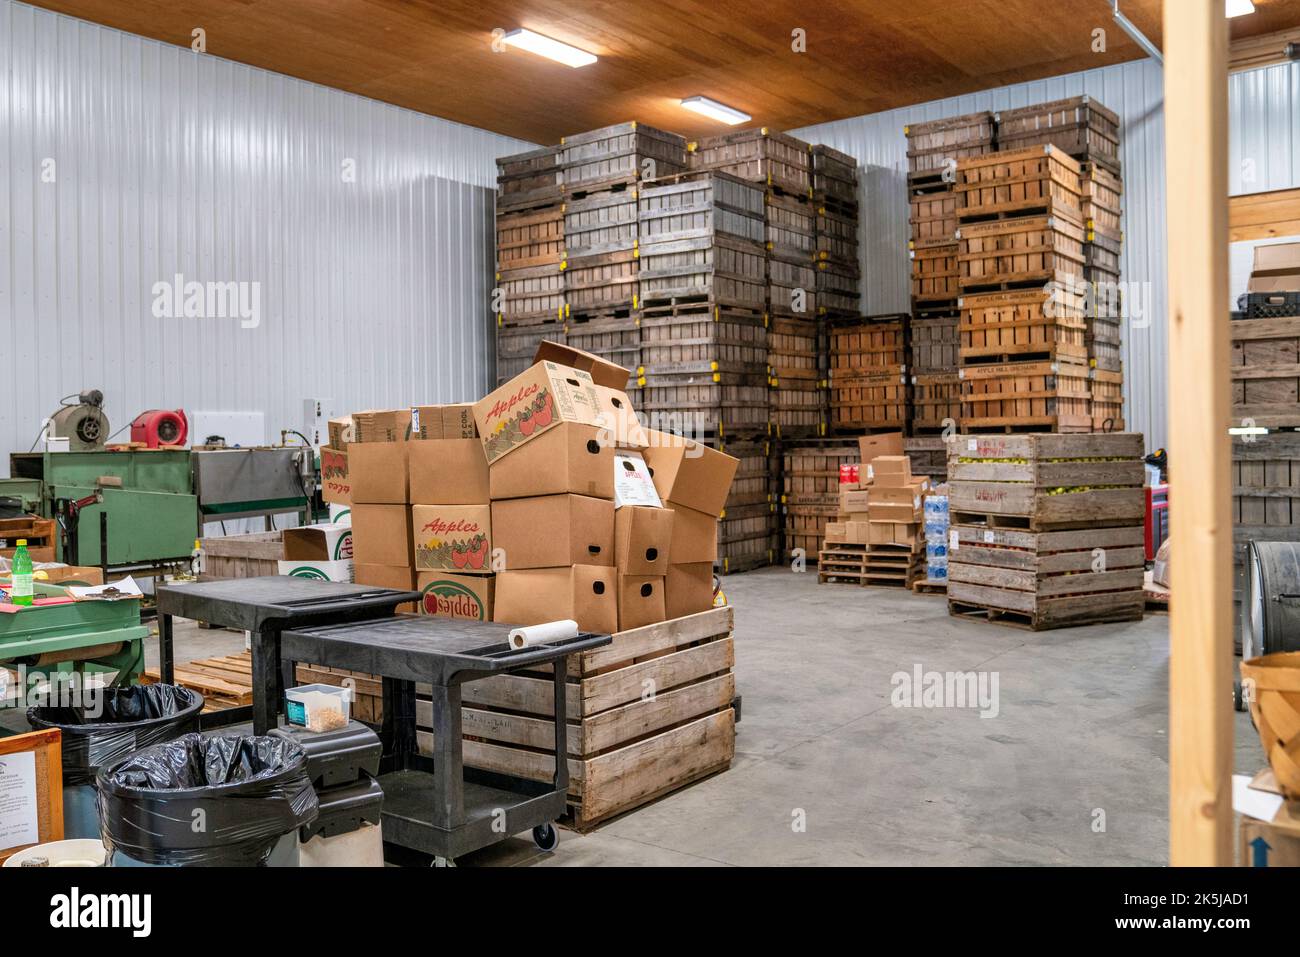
850 474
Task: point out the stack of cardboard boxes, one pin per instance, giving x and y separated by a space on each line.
381 512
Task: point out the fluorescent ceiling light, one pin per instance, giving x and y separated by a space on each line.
1238 8
551 49
715 110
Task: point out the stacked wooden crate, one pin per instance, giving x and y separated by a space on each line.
748 528
835 195
530 256
703 349
868 376
811 493
796 352
1024 363
933 150
1046 530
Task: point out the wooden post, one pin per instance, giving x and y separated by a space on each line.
1200 624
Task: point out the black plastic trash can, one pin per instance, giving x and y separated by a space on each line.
112 723
227 800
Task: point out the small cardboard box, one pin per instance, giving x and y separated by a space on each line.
340 571
57 574
891 470
452 538
911 495
883 443
886 512
688 589
687 473
458 421
381 535
642 539
695 536
318 543
618 420
847 533
585 593
567 459
448 471
891 533
532 404
553 530
426 422
456 596
401 577
602 371
340 431
1276 268
379 472
335 477
381 425
633 484
640 601
854 500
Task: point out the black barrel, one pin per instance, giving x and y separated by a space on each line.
1271 616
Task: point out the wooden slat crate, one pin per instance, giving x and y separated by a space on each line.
719 270
1079 126
791 225
838 290
810 494
792 288
42 535
530 179
933 214
932 144
871 402
516 345
367 689
797 408
834 177
747 537
241 556
700 206
603 286
1020 252
617 155
535 294
625 747
760 156
936 402
1101 255
836 237
604 222
615 339
929 456
934 271
530 237
873 345
1044 580
702 342
1040 180
1107 400
1266 486
794 349
1101 199
1022 326
1266 372
932 345
1027 396
702 404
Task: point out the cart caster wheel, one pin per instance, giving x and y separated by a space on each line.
1238 701
444 862
546 837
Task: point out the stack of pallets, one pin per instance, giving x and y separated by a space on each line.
1046 530
835 195
1023 357
530 256
893 565
811 493
703 350
868 377
796 352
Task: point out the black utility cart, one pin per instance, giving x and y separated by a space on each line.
438 806
264 607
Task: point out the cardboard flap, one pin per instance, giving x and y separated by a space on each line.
602 371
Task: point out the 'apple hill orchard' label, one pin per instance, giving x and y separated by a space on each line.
449 599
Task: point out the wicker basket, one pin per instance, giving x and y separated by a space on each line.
1274 685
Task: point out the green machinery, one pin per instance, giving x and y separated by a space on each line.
84 637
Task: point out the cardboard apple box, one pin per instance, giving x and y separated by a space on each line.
618 420
695 537
335 479
378 472
381 425
553 530
688 589
400 577
318 543
340 431
568 459
640 601
340 571
448 471
584 593
532 403
602 371
381 535
690 474
642 539
456 596
453 538
633 484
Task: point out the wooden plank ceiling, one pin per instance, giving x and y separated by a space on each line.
436 56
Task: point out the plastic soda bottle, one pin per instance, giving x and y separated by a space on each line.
21 569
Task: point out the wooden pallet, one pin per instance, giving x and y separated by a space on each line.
924 586
1076 614
225 682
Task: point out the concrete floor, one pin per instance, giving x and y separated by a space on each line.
1080 733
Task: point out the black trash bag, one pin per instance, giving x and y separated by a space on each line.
206 801
117 722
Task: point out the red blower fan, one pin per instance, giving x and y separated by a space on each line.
159 427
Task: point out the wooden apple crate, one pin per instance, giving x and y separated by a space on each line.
720 270
703 341
932 144
527 180
791 227
1025 251
805 530
834 177
794 349
935 270
836 237
936 402
1027 396
618 155
600 223
838 292
1079 126
530 237
791 288
1266 372
747 537
929 455
626 747
700 206
1040 180
1107 400
1266 485
760 156
1101 199
872 345
870 402
241 556
42 535
534 294
1022 325
934 214
516 345
601 286
703 404
797 408
932 345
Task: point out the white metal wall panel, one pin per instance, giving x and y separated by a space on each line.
372 293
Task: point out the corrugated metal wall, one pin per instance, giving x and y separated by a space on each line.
124 162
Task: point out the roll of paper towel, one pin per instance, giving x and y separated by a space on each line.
543 634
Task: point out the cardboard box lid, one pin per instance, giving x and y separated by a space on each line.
602 371
690 474
882 443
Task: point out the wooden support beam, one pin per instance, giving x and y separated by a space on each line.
1264 215
1200 624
